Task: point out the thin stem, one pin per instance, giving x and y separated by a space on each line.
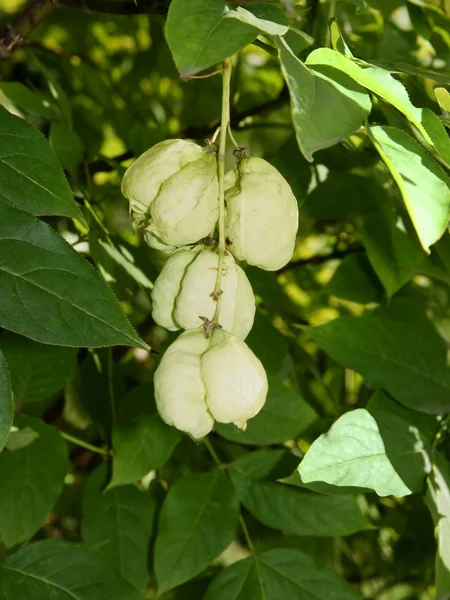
232 138
111 393
208 75
269 49
242 522
331 15
247 535
97 219
216 133
83 444
212 452
225 121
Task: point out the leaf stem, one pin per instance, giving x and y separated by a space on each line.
83 444
242 522
225 121
247 535
212 452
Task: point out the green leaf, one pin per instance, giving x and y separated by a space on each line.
119 524
338 198
28 100
21 438
395 255
6 402
295 510
52 294
424 185
37 370
60 570
259 22
284 416
407 437
121 263
398 357
198 521
382 84
400 67
443 98
438 501
269 344
141 440
202 34
280 573
30 176
97 386
67 146
355 280
353 453
327 106
31 480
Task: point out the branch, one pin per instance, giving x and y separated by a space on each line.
15 34
197 133
319 260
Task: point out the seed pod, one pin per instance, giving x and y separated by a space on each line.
182 292
199 380
173 193
262 214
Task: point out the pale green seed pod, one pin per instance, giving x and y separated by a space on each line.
182 292
200 380
173 193
262 214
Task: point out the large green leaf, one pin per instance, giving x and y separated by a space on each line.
284 416
141 440
342 197
355 280
280 573
31 479
395 255
381 83
424 185
327 105
37 370
202 34
438 501
269 345
67 146
61 571
198 521
399 357
30 176
97 386
6 402
52 294
295 510
384 450
26 99
119 524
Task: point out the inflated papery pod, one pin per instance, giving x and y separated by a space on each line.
201 379
173 193
262 214
182 293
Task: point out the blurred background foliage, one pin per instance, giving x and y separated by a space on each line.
103 88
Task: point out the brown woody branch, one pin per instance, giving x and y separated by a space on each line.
15 34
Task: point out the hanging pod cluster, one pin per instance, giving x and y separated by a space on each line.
209 373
